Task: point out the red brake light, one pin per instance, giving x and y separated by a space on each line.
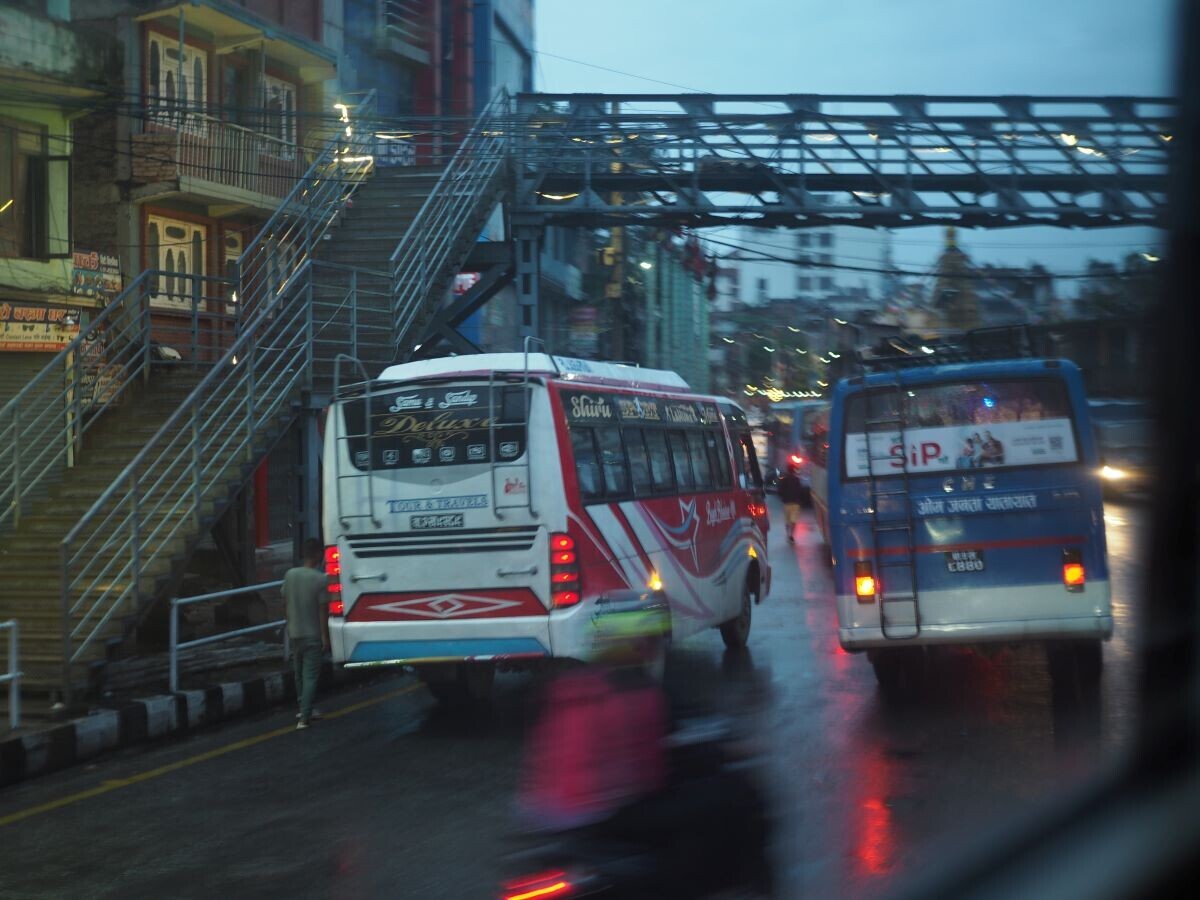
797 459
337 607
565 588
333 569
1073 574
864 581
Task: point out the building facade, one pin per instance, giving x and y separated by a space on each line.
51 71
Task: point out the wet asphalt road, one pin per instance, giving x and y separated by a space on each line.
392 797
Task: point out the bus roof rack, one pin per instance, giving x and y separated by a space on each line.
976 345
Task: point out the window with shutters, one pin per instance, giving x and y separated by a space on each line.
178 250
279 120
176 83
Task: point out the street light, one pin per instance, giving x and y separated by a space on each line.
646 265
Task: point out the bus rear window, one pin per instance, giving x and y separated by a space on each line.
429 427
960 425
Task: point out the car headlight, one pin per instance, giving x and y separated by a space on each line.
1111 474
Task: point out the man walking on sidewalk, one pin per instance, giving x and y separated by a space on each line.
791 492
308 627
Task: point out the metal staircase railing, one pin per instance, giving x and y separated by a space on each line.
43 426
291 236
186 471
439 238
184 474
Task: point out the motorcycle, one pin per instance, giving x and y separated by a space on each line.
709 767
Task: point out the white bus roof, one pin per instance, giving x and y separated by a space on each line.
585 371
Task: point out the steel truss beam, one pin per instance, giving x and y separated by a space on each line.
805 160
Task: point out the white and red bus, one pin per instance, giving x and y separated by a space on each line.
478 508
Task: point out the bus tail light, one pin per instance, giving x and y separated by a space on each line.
333 569
1074 576
565 589
337 607
864 581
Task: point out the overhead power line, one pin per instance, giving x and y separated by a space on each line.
764 256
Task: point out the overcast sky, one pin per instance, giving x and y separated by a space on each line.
876 47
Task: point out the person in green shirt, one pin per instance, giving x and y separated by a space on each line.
304 591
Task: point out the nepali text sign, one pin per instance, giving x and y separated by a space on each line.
36 329
96 275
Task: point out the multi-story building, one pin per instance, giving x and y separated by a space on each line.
50 69
219 105
818 264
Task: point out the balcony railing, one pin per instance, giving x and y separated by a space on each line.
406 21
182 144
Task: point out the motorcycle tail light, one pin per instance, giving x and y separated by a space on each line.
534 887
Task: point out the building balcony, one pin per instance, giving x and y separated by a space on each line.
404 29
212 162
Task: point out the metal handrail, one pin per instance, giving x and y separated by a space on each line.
160 499
42 426
13 675
174 646
466 185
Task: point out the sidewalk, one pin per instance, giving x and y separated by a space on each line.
217 684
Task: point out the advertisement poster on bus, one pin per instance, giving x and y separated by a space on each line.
943 449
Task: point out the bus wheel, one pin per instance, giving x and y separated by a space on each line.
736 631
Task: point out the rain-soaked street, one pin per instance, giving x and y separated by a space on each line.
389 796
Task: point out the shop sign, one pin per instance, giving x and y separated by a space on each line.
34 329
95 275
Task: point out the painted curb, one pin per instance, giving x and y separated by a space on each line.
150 719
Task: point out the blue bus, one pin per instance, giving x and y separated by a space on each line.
963 506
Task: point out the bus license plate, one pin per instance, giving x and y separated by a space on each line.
433 523
960 561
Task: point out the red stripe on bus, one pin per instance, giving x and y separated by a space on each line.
1011 544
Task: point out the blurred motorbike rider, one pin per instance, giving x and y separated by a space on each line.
598 764
598 744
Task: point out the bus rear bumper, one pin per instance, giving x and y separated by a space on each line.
391 653
1016 632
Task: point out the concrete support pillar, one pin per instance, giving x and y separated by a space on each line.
528 239
307 493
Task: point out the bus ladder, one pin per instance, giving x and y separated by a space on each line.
338 474
895 566
516 474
